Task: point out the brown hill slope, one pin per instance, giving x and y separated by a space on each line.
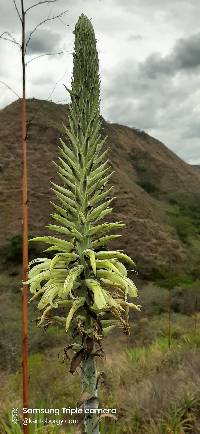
157 193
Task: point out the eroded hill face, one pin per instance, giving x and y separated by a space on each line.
158 195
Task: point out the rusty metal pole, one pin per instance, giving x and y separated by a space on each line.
169 320
24 222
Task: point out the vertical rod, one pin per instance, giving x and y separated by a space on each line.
24 223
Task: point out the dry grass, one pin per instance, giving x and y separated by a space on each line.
154 389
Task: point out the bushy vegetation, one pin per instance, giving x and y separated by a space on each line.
141 166
167 277
11 251
191 208
174 280
148 186
155 390
184 225
184 215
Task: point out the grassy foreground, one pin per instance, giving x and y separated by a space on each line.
156 390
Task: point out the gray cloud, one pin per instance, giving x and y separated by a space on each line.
44 41
187 53
133 37
154 5
158 96
184 57
149 61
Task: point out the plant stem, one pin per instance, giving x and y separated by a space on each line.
169 321
195 314
89 386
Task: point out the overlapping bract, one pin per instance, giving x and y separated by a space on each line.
82 276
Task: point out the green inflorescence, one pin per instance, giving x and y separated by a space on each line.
83 276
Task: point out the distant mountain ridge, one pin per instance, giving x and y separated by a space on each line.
158 194
196 166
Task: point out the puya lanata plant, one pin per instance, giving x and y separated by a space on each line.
85 278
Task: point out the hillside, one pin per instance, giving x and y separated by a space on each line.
158 194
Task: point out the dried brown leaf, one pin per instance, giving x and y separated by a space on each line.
100 378
111 416
66 349
85 396
89 344
102 416
76 360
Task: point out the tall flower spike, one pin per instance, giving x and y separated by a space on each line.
83 276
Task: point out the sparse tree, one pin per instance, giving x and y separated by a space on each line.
23 45
85 278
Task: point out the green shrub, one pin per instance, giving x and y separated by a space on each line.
182 417
11 252
191 340
184 227
167 278
140 166
13 249
148 186
185 218
174 281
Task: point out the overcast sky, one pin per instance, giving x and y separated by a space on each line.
149 52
